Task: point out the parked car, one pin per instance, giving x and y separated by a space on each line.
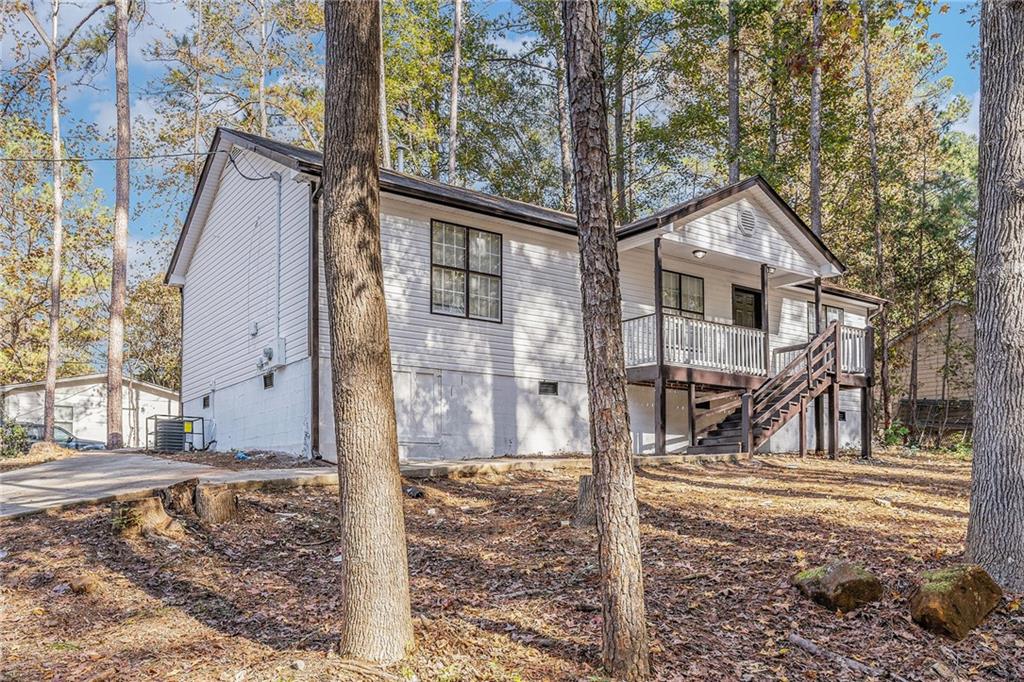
63 438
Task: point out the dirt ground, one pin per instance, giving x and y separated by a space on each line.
255 459
502 589
38 455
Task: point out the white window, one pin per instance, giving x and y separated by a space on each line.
682 294
832 314
465 277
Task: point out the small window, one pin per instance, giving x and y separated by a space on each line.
64 417
268 380
842 416
548 388
465 274
832 314
206 402
682 294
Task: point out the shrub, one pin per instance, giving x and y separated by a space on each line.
896 434
13 439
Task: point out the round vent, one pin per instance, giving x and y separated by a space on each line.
748 221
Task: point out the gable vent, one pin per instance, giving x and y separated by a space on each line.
748 221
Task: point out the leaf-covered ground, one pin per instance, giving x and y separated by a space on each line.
503 589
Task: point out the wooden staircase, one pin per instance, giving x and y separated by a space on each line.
752 418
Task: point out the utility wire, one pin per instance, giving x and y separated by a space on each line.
83 159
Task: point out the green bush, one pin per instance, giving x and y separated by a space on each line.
896 434
13 439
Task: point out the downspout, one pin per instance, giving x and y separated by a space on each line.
313 301
277 296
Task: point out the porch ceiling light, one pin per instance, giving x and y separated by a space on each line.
771 270
699 253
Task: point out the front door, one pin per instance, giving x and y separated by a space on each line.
746 307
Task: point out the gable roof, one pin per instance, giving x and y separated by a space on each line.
91 378
930 318
310 162
681 210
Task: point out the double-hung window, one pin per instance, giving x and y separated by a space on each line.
465 275
682 294
832 314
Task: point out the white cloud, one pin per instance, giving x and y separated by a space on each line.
104 112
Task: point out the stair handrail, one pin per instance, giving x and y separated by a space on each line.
769 386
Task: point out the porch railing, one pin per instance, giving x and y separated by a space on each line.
854 351
695 343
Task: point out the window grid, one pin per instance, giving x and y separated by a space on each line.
832 314
466 272
682 294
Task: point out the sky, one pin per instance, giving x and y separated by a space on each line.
95 102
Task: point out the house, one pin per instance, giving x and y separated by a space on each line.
943 398
484 318
81 405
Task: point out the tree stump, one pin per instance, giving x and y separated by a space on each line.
145 517
178 498
586 507
215 504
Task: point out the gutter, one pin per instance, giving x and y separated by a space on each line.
313 321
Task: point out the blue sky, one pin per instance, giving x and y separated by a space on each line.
95 103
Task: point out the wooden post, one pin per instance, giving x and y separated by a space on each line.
746 430
833 421
867 396
691 411
819 411
803 427
660 413
765 342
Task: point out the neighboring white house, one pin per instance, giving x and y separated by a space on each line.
81 405
484 315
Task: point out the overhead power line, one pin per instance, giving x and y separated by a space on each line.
84 159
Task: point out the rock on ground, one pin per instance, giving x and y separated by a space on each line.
953 601
840 585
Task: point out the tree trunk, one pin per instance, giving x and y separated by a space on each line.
815 132
734 94
119 274
564 136
375 620
619 116
624 641
882 325
453 123
262 84
995 531
197 93
53 347
385 137
586 508
773 98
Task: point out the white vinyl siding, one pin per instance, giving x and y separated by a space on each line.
231 280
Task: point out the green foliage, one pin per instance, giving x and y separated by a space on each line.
896 434
13 439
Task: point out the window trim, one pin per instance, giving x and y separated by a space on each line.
703 295
468 271
759 299
824 311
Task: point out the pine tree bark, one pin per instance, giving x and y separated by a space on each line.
261 94
734 93
56 257
564 136
197 93
375 618
119 274
882 326
624 635
385 137
815 115
453 122
995 530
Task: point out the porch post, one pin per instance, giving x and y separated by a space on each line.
867 395
803 427
833 420
659 340
691 411
766 344
819 403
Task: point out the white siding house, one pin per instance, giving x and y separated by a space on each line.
483 309
81 406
